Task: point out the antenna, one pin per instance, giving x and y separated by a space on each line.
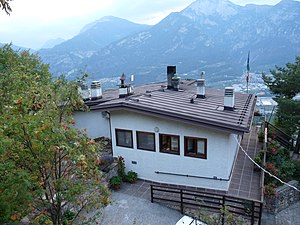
131 78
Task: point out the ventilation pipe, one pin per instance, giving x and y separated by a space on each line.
84 91
171 71
123 90
175 82
229 99
201 88
96 90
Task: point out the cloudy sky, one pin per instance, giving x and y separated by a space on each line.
33 22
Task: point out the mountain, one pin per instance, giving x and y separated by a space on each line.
53 42
65 56
210 35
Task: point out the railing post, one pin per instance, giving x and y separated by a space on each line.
223 210
151 191
260 213
181 201
252 213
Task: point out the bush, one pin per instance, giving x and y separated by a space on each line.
121 167
131 177
115 182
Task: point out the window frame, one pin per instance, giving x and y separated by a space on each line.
169 151
137 141
195 155
131 135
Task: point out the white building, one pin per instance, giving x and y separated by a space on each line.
266 106
178 134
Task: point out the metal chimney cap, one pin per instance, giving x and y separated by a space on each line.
123 77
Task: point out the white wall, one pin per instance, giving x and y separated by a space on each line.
221 150
95 122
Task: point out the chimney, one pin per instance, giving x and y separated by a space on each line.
229 99
171 71
96 90
175 82
123 90
84 91
201 88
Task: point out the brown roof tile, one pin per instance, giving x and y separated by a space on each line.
176 105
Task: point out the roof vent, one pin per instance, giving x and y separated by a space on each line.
201 88
84 91
171 71
229 99
175 82
202 74
96 90
123 91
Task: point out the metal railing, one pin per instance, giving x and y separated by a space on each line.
284 139
194 199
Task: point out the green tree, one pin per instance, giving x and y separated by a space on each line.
47 167
4 5
284 83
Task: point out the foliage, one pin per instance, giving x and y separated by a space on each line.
278 163
260 134
259 158
131 176
284 80
121 168
4 5
115 182
284 83
46 165
216 219
270 190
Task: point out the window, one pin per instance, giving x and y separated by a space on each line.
169 143
145 140
195 147
124 138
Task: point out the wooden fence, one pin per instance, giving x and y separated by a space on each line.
193 199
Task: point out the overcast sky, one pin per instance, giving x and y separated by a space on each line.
33 22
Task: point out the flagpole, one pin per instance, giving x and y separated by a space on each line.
248 72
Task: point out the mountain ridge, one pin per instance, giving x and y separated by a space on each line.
214 40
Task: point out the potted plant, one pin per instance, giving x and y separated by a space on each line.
260 136
131 177
115 182
259 160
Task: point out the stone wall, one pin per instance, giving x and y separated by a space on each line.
285 196
112 170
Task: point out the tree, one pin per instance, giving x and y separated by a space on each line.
284 83
47 167
4 5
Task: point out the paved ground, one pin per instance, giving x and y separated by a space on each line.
130 210
245 182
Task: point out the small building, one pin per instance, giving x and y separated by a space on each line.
177 132
266 106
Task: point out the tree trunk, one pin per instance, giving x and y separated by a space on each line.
297 147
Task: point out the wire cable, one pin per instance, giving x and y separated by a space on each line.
263 169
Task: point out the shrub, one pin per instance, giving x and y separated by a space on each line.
121 167
270 190
115 182
131 177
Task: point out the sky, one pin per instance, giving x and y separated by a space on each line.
33 22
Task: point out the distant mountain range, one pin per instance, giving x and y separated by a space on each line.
210 35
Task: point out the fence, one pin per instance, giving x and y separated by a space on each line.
194 199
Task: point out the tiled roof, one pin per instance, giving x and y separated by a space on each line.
155 100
